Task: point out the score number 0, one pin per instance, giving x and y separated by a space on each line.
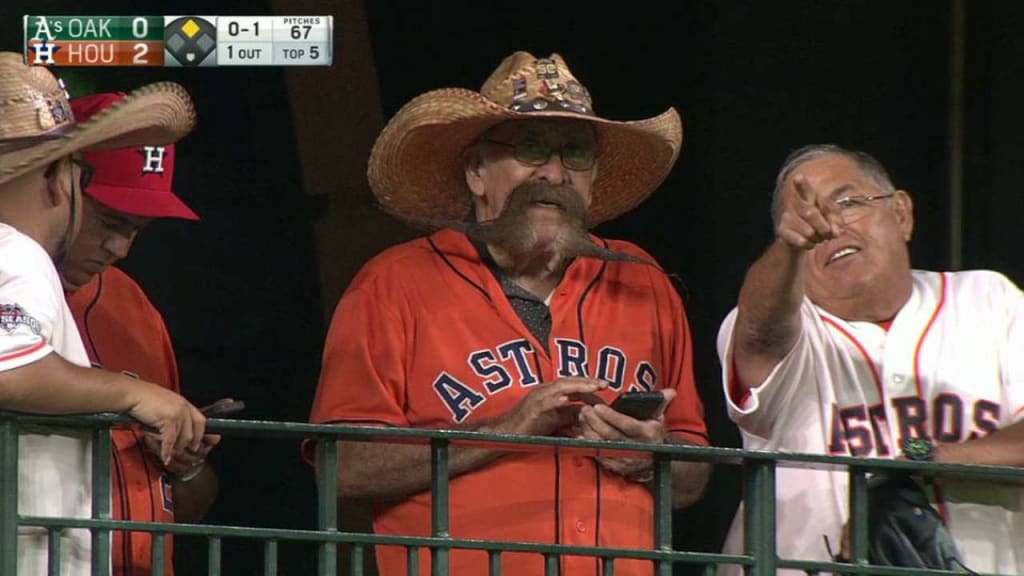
140 28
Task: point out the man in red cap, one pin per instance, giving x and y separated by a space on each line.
122 331
44 367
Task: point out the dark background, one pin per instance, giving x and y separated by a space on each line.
245 291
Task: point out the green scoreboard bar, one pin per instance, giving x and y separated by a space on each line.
94 40
179 41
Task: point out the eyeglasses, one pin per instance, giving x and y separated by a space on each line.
86 172
574 156
853 208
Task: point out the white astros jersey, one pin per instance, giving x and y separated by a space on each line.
950 368
54 471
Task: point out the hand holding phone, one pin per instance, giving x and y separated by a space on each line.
639 405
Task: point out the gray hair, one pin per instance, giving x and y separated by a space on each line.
868 165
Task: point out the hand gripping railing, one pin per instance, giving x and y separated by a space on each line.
760 557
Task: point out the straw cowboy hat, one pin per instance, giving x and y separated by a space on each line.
416 168
37 125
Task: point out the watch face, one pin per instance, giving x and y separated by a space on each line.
919 449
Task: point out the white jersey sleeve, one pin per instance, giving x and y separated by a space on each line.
780 394
29 307
1010 302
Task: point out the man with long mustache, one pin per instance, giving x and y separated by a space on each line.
513 319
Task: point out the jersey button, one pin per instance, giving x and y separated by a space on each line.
580 526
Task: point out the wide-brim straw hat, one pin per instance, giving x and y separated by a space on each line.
416 167
37 125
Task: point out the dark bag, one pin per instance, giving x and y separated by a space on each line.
904 529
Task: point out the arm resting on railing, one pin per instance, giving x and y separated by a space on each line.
387 472
689 479
1004 447
52 385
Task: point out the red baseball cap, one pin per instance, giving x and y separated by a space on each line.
135 181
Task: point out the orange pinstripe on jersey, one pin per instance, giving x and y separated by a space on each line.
123 332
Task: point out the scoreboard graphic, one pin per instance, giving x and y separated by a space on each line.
179 41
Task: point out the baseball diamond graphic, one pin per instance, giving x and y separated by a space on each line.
191 40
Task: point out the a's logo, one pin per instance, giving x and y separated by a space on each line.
44 52
12 316
154 159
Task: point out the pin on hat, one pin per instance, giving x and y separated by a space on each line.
415 168
37 125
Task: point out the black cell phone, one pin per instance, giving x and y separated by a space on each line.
221 409
639 405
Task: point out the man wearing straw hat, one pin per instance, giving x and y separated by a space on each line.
43 365
513 319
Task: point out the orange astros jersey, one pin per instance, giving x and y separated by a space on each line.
425 337
123 332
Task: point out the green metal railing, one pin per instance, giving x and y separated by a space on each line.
758 468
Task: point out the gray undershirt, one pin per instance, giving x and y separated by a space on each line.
533 312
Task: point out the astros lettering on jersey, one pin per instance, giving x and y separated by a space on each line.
425 337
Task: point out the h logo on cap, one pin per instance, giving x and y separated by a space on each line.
154 159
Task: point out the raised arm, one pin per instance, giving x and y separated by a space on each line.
768 321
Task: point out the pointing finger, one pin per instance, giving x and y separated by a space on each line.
804 190
833 216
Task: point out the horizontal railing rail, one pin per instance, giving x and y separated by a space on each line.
760 557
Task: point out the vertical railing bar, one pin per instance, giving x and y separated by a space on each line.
355 565
858 483
753 539
270 558
8 496
157 553
54 536
609 566
213 556
102 448
551 564
439 509
413 561
663 510
327 503
768 519
494 558
710 569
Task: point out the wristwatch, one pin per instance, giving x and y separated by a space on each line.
919 450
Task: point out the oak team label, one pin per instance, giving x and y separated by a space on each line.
94 40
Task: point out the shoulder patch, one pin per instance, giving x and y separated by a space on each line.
13 315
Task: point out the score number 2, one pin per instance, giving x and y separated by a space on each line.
140 27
